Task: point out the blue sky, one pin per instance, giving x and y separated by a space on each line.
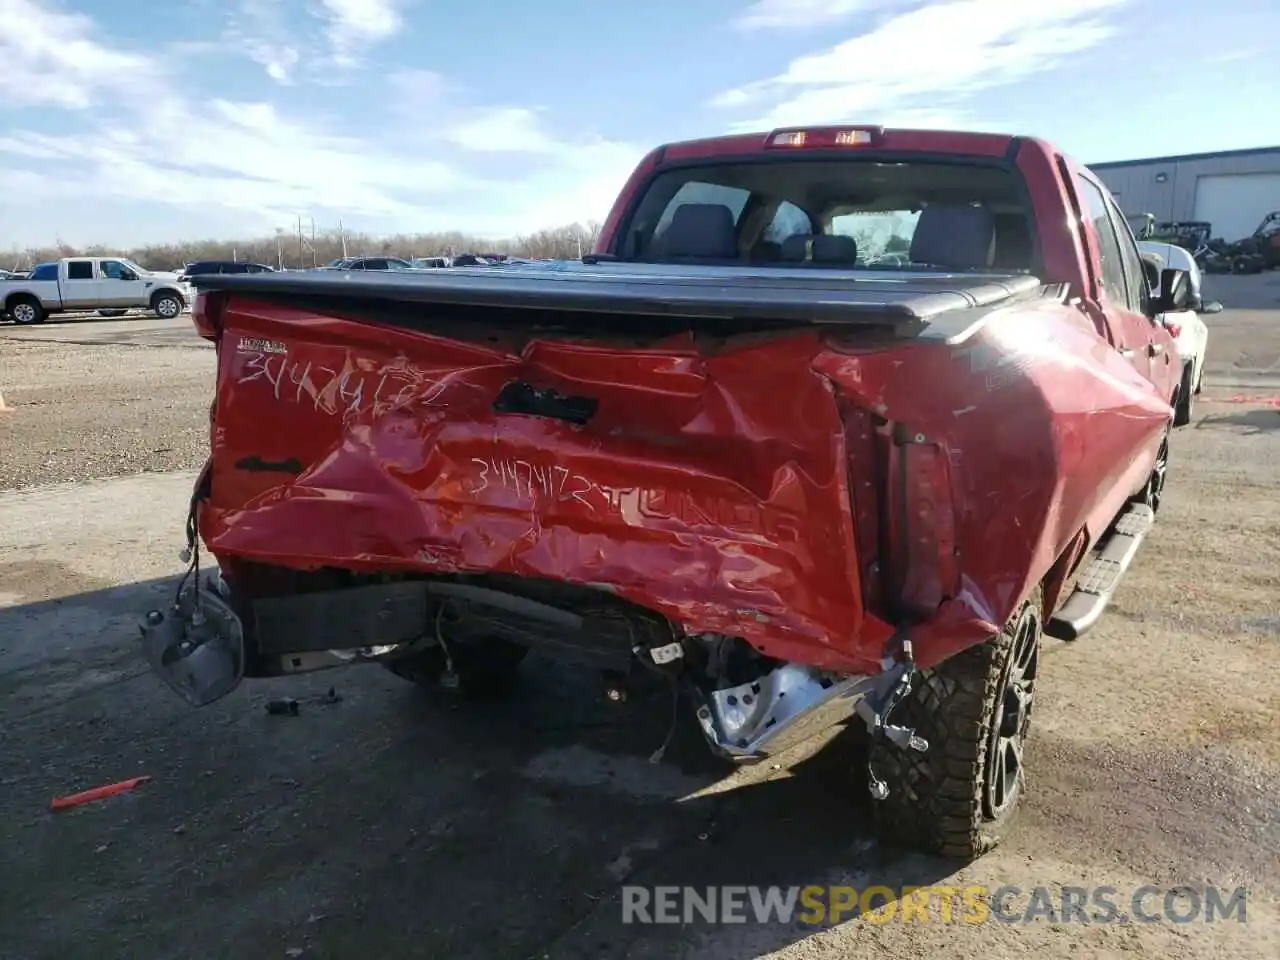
131 121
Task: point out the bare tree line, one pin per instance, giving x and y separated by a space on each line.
298 250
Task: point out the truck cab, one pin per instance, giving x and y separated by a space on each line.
92 283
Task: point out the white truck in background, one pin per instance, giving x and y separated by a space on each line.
107 284
1189 332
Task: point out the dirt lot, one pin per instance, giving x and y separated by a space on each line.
391 824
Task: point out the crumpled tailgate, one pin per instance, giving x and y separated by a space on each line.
709 483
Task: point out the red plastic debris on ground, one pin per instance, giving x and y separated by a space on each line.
97 793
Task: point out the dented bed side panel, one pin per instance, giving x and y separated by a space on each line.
801 493
1004 444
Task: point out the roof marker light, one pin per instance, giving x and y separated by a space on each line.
847 138
788 138
818 137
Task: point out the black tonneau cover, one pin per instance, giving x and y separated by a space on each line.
784 295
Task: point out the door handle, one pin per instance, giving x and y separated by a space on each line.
1126 353
1155 349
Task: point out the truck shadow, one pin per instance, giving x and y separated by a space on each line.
319 829
1254 421
66 319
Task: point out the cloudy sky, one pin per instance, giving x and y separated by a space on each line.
130 121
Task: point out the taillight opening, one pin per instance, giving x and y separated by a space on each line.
207 312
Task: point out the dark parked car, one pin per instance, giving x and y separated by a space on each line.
369 263
204 267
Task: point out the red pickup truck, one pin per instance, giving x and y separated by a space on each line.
834 423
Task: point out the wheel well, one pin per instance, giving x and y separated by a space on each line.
16 298
167 292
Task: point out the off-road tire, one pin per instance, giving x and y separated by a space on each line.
26 311
1184 407
938 800
484 670
165 312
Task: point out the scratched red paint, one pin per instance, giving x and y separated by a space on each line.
714 488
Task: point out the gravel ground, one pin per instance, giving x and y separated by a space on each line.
392 824
84 411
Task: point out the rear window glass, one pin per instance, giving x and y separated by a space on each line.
835 213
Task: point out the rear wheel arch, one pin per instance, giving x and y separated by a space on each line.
16 301
164 294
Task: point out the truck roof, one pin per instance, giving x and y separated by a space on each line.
773 295
850 137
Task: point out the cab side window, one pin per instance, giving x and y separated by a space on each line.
1114 287
80 270
1131 257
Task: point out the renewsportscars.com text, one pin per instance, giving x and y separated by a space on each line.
966 905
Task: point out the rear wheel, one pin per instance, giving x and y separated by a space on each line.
1185 405
957 798
484 669
26 310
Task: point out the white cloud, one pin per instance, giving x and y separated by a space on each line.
217 161
929 58
357 24
287 36
787 14
504 130
261 30
50 57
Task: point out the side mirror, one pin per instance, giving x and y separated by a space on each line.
1151 270
1211 306
1175 292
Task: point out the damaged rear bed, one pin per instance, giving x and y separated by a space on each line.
776 490
678 440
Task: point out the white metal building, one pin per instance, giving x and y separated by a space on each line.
1233 190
